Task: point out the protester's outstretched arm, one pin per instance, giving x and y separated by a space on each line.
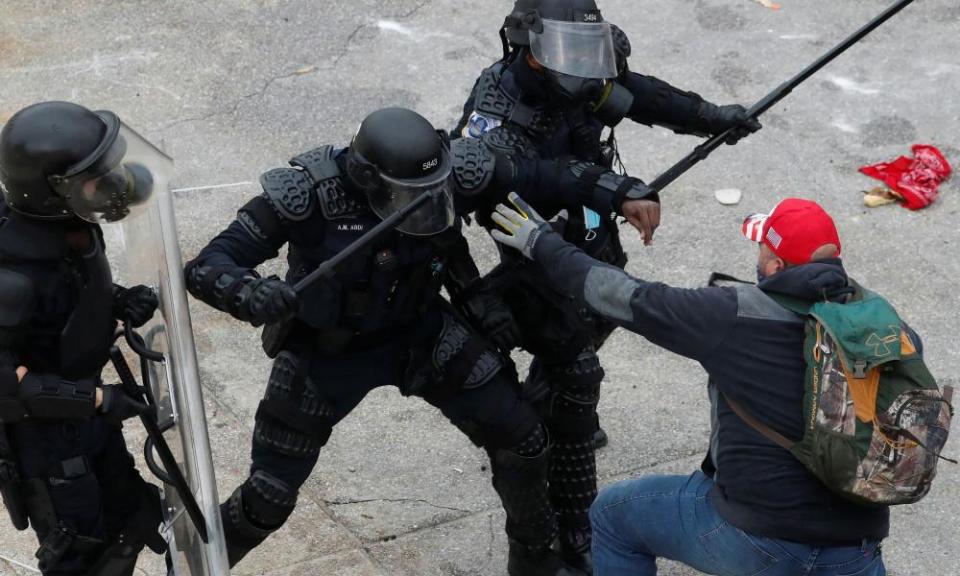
689 322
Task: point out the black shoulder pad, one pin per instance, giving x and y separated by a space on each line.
321 166
290 193
490 99
509 139
16 299
473 164
319 163
336 201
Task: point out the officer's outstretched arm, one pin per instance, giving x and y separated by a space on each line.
28 394
486 172
223 275
657 103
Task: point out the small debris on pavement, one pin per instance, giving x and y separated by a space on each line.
880 196
728 196
917 180
768 4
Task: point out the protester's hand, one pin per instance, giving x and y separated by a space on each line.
522 224
644 215
135 305
271 300
734 116
115 405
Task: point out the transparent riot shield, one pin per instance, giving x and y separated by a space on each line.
143 249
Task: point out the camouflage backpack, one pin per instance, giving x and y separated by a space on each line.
875 419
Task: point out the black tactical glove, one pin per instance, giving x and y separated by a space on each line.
719 119
494 319
267 301
117 406
136 304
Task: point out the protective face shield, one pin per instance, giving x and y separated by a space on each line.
579 56
115 181
433 217
145 250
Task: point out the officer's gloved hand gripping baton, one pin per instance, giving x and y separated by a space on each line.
170 472
327 269
705 149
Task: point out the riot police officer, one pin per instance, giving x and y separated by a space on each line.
64 466
563 82
381 319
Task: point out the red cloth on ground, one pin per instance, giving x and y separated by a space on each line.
916 179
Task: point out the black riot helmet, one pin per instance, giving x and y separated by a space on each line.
397 156
60 160
570 40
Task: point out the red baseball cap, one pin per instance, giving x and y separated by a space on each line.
794 230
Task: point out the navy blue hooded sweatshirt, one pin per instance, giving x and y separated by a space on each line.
752 350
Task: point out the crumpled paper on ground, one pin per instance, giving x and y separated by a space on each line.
916 180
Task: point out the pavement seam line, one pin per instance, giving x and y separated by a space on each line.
396 500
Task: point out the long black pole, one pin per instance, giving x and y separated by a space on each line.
170 465
387 225
768 101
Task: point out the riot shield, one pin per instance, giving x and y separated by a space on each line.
143 249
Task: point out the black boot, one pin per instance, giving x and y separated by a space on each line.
255 510
524 561
521 482
575 549
240 535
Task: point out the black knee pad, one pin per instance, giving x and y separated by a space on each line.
267 500
534 444
576 393
583 372
292 418
256 509
493 416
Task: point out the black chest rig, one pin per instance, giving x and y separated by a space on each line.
547 131
385 288
539 122
552 131
71 329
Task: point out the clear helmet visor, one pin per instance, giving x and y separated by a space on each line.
115 183
433 217
581 49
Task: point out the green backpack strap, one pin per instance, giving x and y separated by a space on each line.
797 305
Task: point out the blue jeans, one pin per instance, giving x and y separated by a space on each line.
637 521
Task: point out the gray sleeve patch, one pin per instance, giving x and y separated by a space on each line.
609 291
754 304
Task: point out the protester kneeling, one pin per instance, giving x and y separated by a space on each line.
823 412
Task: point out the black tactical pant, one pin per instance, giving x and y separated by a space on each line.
79 479
492 414
563 383
482 399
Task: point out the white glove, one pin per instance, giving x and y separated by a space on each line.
523 225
